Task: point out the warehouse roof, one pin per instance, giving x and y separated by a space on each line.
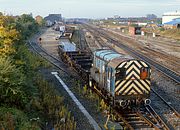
173 22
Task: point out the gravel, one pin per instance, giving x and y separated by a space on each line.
71 82
167 89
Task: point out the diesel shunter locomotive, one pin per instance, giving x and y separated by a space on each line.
125 81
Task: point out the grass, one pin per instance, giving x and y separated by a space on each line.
11 118
52 105
171 33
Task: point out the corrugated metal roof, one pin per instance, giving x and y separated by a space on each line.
174 22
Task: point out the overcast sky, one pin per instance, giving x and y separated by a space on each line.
89 8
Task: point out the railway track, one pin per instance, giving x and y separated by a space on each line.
98 39
140 119
167 109
171 74
63 67
168 72
144 117
53 60
40 51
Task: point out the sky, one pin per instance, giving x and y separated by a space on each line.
90 8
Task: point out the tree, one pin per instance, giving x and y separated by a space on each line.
26 25
11 82
8 35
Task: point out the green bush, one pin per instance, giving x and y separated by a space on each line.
12 118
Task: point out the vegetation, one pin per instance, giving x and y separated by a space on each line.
171 33
27 101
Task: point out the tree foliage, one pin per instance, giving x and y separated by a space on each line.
8 35
26 25
16 63
13 117
11 83
20 91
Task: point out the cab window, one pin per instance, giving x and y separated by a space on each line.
144 73
120 73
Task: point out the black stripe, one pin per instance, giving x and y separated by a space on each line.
139 87
134 65
147 82
123 65
132 76
139 81
120 83
127 87
132 71
124 85
131 90
140 62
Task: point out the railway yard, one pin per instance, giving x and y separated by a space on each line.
91 109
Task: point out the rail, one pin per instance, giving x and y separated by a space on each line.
59 64
166 71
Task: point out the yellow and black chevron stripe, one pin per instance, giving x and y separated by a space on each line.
132 84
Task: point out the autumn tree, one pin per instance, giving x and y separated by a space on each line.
8 35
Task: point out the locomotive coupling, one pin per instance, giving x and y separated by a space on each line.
147 101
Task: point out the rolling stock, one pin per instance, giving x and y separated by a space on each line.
120 78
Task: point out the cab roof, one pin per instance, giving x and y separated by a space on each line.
107 54
113 58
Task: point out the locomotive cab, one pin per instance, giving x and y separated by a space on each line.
121 77
132 81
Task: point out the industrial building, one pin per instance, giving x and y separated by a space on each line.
175 23
169 16
53 18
